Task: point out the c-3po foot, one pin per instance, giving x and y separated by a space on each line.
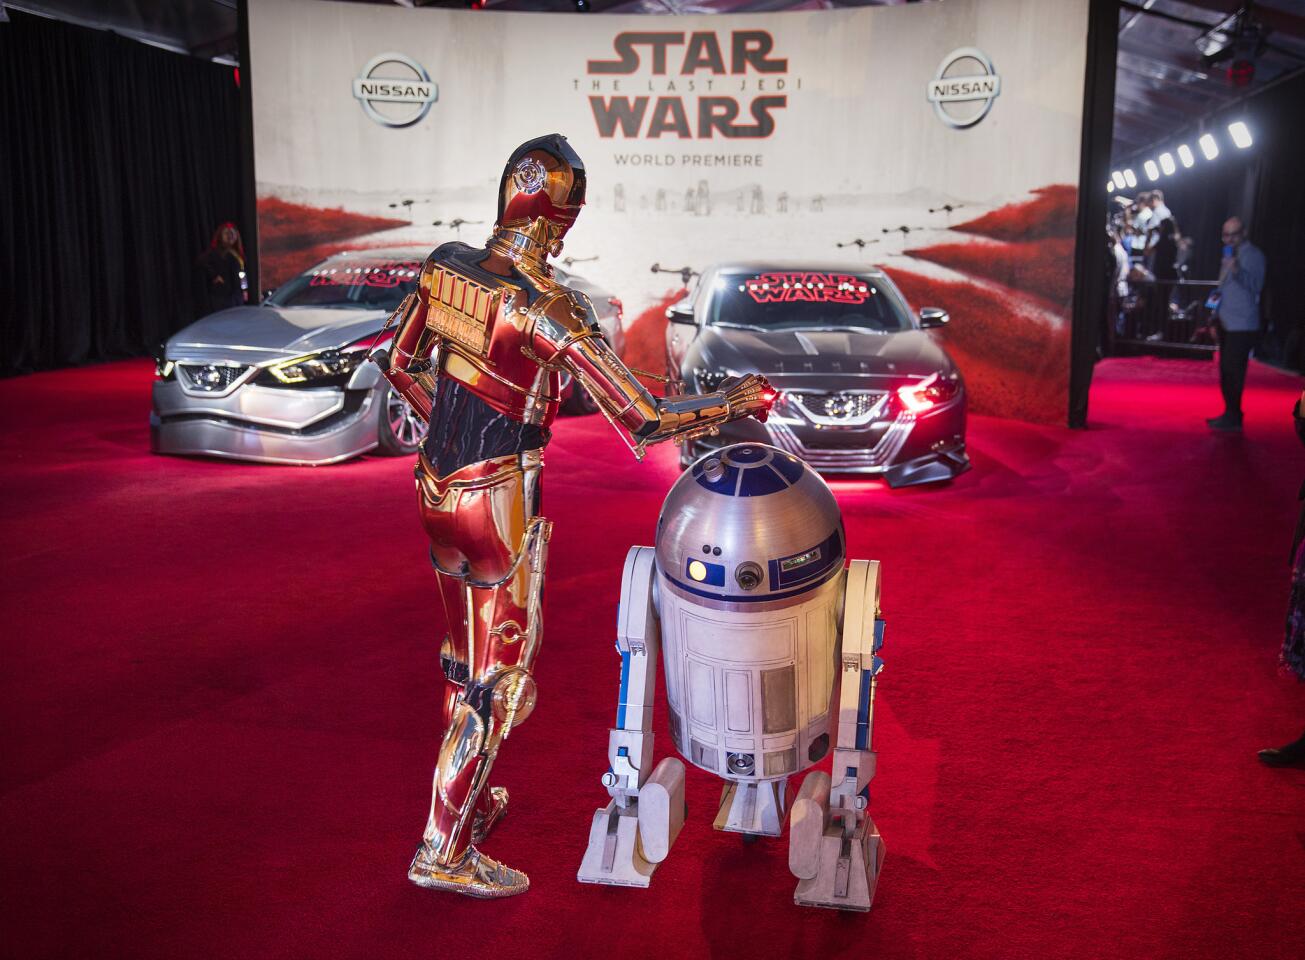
485 822
475 876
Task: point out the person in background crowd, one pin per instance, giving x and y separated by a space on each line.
1241 278
1159 213
1140 219
222 268
1162 261
1184 254
1293 642
1118 280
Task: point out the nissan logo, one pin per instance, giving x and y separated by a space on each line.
964 88
395 90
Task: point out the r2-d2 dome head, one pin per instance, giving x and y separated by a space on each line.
749 524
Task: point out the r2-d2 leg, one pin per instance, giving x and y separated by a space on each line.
834 848
633 834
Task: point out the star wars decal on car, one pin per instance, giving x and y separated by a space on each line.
777 287
386 274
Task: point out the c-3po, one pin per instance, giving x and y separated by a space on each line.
480 352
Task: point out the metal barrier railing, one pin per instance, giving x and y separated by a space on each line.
1162 317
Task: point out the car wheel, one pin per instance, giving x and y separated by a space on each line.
400 431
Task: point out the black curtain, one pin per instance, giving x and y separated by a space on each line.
1089 234
117 163
1276 220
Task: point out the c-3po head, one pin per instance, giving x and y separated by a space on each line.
542 190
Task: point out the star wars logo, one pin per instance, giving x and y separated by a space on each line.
669 84
807 288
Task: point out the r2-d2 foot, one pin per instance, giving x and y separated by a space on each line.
630 836
837 864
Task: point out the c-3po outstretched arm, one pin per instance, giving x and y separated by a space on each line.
566 334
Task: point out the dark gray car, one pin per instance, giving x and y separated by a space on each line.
864 387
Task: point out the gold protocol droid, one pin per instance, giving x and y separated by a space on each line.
478 497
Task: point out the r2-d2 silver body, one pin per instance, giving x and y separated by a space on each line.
769 642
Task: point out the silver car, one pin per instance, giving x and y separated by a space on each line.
288 382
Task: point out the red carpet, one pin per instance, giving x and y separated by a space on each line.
220 700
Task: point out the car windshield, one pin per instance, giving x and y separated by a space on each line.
357 283
800 300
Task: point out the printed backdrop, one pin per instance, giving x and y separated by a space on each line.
795 136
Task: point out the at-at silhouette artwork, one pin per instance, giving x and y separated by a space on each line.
407 204
457 223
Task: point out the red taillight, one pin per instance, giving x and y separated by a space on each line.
922 397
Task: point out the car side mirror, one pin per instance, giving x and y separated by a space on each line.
933 317
680 312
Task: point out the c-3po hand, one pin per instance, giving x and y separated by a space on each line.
748 395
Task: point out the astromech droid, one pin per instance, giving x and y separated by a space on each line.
770 646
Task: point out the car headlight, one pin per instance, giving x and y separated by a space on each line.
933 391
163 367
709 381
318 366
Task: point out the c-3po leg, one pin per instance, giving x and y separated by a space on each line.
835 849
483 522
633 834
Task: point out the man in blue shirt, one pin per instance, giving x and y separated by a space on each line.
1241 278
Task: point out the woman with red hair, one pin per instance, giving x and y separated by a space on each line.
222 267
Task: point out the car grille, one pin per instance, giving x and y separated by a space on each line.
867 459
850 407
210 377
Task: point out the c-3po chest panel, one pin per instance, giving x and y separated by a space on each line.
462 310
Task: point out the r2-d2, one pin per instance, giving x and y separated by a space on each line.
770 646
